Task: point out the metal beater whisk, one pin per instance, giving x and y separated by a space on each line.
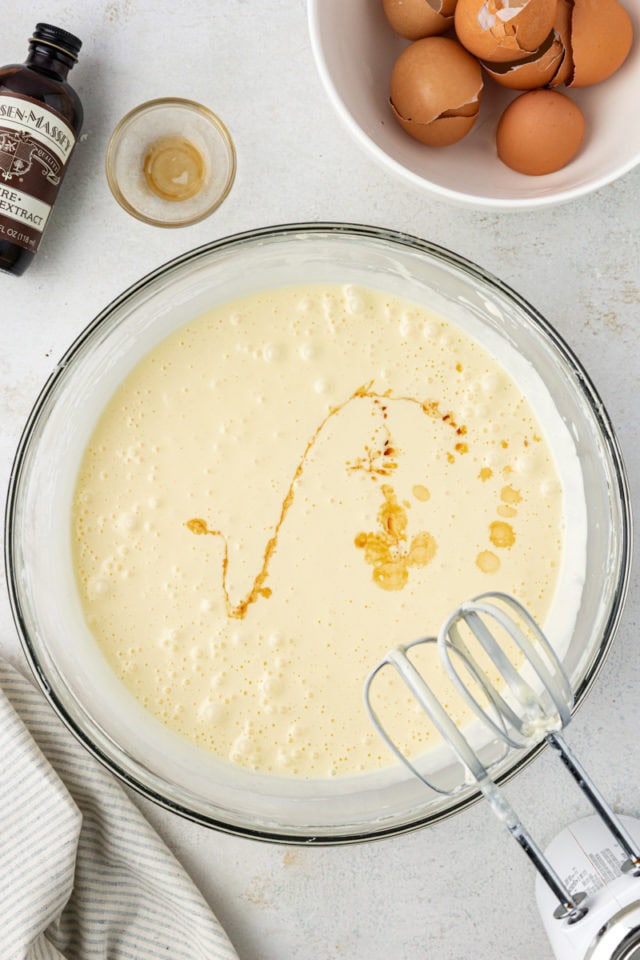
520 705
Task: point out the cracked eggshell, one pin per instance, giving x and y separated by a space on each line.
414 19
540 132
601 37
536 71
435 89
562 28
445 8
504 31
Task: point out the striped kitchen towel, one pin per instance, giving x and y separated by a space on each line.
83 876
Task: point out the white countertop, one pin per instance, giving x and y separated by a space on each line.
460 889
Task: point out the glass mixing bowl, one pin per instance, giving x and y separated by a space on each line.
61 650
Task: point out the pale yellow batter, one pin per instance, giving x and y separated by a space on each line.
285 488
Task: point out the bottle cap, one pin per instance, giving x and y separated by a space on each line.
58 39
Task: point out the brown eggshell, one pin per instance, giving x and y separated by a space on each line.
441 132
431 78
414 19
540 132
535 71
601 37
446 8
562 27
491 31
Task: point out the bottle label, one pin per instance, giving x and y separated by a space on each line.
35 144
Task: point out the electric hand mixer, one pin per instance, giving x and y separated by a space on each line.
520 705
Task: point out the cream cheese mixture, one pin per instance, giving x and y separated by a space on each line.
286 487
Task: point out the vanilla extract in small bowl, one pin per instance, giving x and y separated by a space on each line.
174 169
170 162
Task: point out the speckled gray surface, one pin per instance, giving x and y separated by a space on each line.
460 889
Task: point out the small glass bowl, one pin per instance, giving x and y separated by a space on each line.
169 119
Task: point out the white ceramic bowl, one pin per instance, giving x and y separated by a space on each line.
57 642
355 49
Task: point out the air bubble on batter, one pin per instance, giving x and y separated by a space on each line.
407 325
127 522
524 465
354 301
492 382
240 748
473 393
305 305
549 488
273 352
271 687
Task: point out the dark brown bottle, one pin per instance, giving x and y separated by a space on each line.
40 120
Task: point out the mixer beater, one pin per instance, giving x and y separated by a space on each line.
507 672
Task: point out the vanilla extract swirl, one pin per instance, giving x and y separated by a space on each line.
389 560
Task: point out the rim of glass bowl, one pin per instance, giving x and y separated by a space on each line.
446 257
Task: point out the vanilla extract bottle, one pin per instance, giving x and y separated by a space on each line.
40 120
